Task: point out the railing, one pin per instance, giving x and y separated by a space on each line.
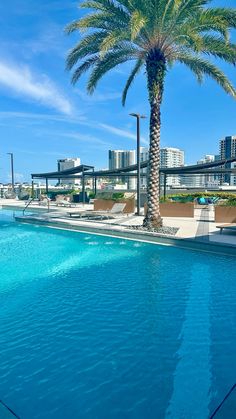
32 199
27 205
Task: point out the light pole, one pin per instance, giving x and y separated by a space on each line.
138 117
12 172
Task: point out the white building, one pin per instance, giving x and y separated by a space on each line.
172 157
144 156
205 181
202 181
65 164
119 159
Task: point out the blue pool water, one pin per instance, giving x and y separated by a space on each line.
98 327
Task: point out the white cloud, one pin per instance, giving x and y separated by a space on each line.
75 119
87 138
98 97
21 81
121 132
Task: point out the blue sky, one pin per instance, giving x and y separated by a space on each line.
43 117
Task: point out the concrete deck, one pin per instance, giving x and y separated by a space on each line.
201 229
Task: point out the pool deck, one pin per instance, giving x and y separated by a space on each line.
198 232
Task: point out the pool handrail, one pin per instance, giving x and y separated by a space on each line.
32 199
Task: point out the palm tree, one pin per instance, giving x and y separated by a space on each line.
156 34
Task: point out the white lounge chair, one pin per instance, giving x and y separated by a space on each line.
117 209
44 201
61 201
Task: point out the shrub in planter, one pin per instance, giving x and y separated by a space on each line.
226 212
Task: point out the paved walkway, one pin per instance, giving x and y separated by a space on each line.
201 228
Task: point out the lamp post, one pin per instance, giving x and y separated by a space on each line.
12 171
138 117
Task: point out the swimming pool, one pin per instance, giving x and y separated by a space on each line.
100 327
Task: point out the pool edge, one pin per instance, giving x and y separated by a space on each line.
189 244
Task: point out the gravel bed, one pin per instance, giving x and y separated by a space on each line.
170 231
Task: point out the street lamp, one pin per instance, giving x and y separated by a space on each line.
138 117
12 172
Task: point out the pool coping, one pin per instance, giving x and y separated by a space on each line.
22 208
134 235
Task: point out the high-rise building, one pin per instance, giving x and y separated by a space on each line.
227 151
204 180
119 159
144 156
65 164
172 157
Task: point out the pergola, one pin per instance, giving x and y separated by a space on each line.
73 173
86 171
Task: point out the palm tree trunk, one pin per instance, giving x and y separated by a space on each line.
156 69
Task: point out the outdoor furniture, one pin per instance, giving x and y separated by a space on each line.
117 209
43 200
215 199
230 226
61 201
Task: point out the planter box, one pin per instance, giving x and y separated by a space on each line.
175 209
107 204
225 214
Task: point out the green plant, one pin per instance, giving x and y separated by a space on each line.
155 34
230 202
117 195
193 195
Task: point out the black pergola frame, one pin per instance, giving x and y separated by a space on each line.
83 171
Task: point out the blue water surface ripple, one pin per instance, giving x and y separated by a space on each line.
100 327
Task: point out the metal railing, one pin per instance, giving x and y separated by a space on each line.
32 199
27 205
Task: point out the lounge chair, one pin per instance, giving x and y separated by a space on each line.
117 209
61 201
43 200
230 226
215 199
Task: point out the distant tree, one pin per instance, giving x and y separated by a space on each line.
156 34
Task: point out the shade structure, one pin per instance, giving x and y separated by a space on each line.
82 171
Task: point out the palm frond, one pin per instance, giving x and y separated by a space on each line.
201 67
83 68
219 48
101 20
226 16
109 61
137 22
111 40
134 72
89 45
